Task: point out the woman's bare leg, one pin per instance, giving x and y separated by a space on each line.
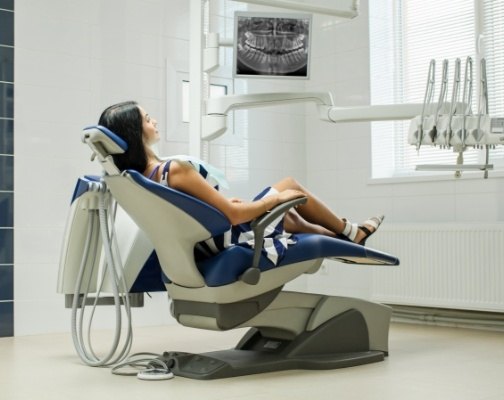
315 212
294 223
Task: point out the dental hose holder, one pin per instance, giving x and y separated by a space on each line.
453 125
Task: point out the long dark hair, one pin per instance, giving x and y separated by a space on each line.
125 120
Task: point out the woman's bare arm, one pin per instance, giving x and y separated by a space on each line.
186 179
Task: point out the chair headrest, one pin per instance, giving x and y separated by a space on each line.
107 139
104 143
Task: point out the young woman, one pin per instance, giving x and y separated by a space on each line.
130 121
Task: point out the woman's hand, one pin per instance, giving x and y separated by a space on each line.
289 194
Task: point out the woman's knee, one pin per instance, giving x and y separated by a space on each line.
288 183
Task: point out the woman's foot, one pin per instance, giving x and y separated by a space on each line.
360 233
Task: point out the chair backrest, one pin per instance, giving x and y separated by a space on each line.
172 220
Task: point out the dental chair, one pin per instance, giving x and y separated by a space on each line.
238 287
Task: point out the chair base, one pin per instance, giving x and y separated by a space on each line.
341 342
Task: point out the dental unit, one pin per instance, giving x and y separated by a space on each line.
127 235
236 288
136 218
149 233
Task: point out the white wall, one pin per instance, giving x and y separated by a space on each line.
339 160
74 58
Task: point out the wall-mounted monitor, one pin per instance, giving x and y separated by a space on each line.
272 45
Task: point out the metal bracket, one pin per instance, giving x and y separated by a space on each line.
135 300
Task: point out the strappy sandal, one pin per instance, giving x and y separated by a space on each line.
350 230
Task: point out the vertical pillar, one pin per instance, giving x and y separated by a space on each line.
196 46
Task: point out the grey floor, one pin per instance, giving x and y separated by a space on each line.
425 362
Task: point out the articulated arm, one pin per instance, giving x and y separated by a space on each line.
222 105
385 112
217 109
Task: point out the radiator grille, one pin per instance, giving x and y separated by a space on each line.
457 266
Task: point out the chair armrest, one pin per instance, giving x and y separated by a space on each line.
252 274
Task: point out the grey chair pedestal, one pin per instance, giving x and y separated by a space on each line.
336 332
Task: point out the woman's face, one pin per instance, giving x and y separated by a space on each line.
149 128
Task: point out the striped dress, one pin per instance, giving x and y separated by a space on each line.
276 240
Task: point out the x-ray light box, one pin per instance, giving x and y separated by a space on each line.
272 45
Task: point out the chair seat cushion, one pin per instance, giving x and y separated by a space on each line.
227 266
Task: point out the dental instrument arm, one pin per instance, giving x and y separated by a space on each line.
217 109
386 112
222 105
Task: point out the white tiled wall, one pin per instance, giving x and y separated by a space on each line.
339 160
74 58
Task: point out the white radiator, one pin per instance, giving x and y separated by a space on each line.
442 265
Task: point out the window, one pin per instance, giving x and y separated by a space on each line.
404 37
